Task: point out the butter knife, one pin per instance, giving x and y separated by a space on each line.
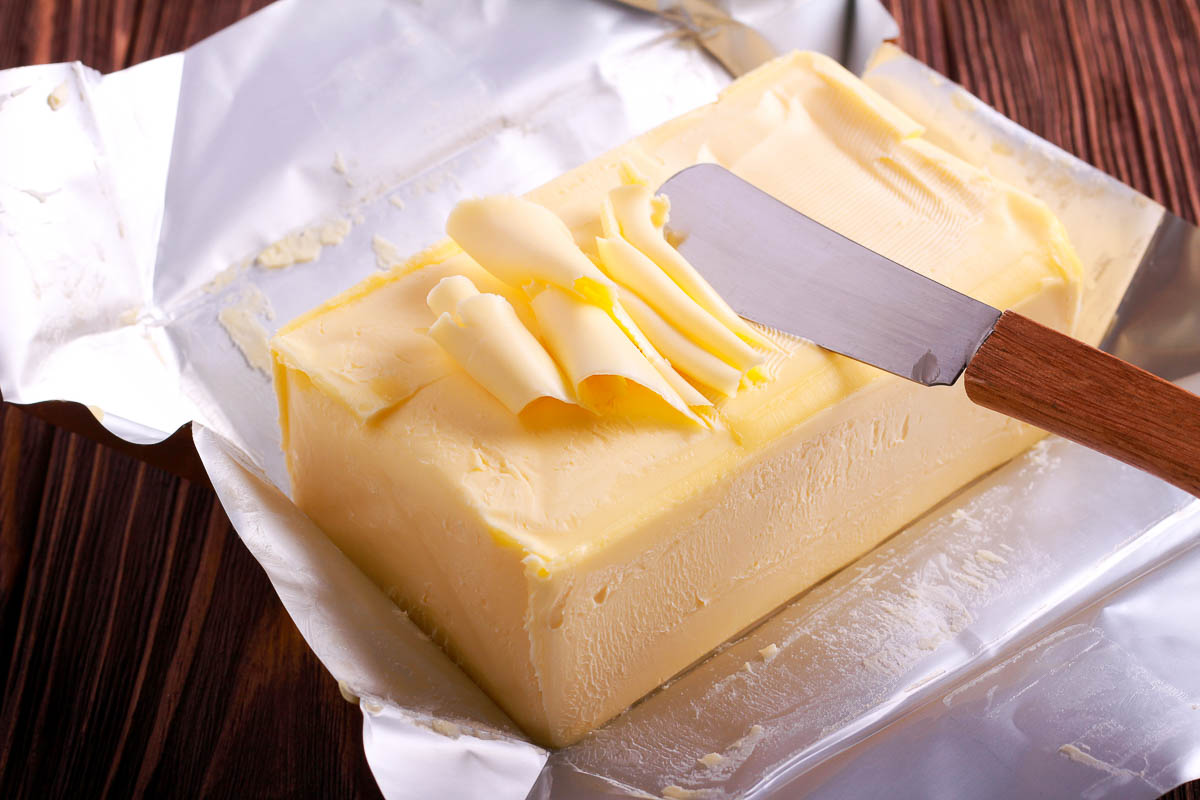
778 267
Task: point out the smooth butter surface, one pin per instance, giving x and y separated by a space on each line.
572 562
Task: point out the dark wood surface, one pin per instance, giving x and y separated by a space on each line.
144 652
1038 375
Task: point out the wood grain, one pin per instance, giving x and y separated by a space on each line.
144 652
1037 375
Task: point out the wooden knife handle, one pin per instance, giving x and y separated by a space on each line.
1040 376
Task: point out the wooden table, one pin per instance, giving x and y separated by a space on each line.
144 651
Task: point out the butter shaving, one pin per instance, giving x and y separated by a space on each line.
484 335
387 255
684 355
629 267
630 212
685 390
599 359
445 297
543 252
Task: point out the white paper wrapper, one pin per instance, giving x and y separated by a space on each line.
1031 635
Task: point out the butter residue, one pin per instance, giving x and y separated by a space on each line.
58 98
387 255
303 246
1080 756
339 166
675 792
622 329
484 335
241 322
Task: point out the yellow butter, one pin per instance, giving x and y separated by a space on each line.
684 354
605 367
640 222
487 339
545 252
573 561
631 268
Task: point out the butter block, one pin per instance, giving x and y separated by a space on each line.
573 561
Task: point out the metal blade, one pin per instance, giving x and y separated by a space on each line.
776 266
1157 325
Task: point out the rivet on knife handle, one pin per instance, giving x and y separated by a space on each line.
1040 376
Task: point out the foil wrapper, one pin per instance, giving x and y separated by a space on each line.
1033 634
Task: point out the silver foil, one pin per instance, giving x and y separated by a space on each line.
1034 634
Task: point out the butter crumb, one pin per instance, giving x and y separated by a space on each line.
396 201
241 324
1076 754
347 695
674 792
129 316
294 248
339 166
222 279
332 233
769 652
988 555
303 246
446 728
959 515
97 412
58 98
711 760
535 565
1039 454
387 255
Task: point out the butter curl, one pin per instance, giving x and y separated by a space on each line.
632 269
484 335
634 213
521 242
599 358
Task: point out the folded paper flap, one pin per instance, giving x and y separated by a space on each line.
83 187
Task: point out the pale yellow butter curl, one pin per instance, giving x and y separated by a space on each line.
484 335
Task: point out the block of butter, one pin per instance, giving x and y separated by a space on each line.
573 558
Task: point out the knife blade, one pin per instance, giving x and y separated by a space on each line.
778 267
785 270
